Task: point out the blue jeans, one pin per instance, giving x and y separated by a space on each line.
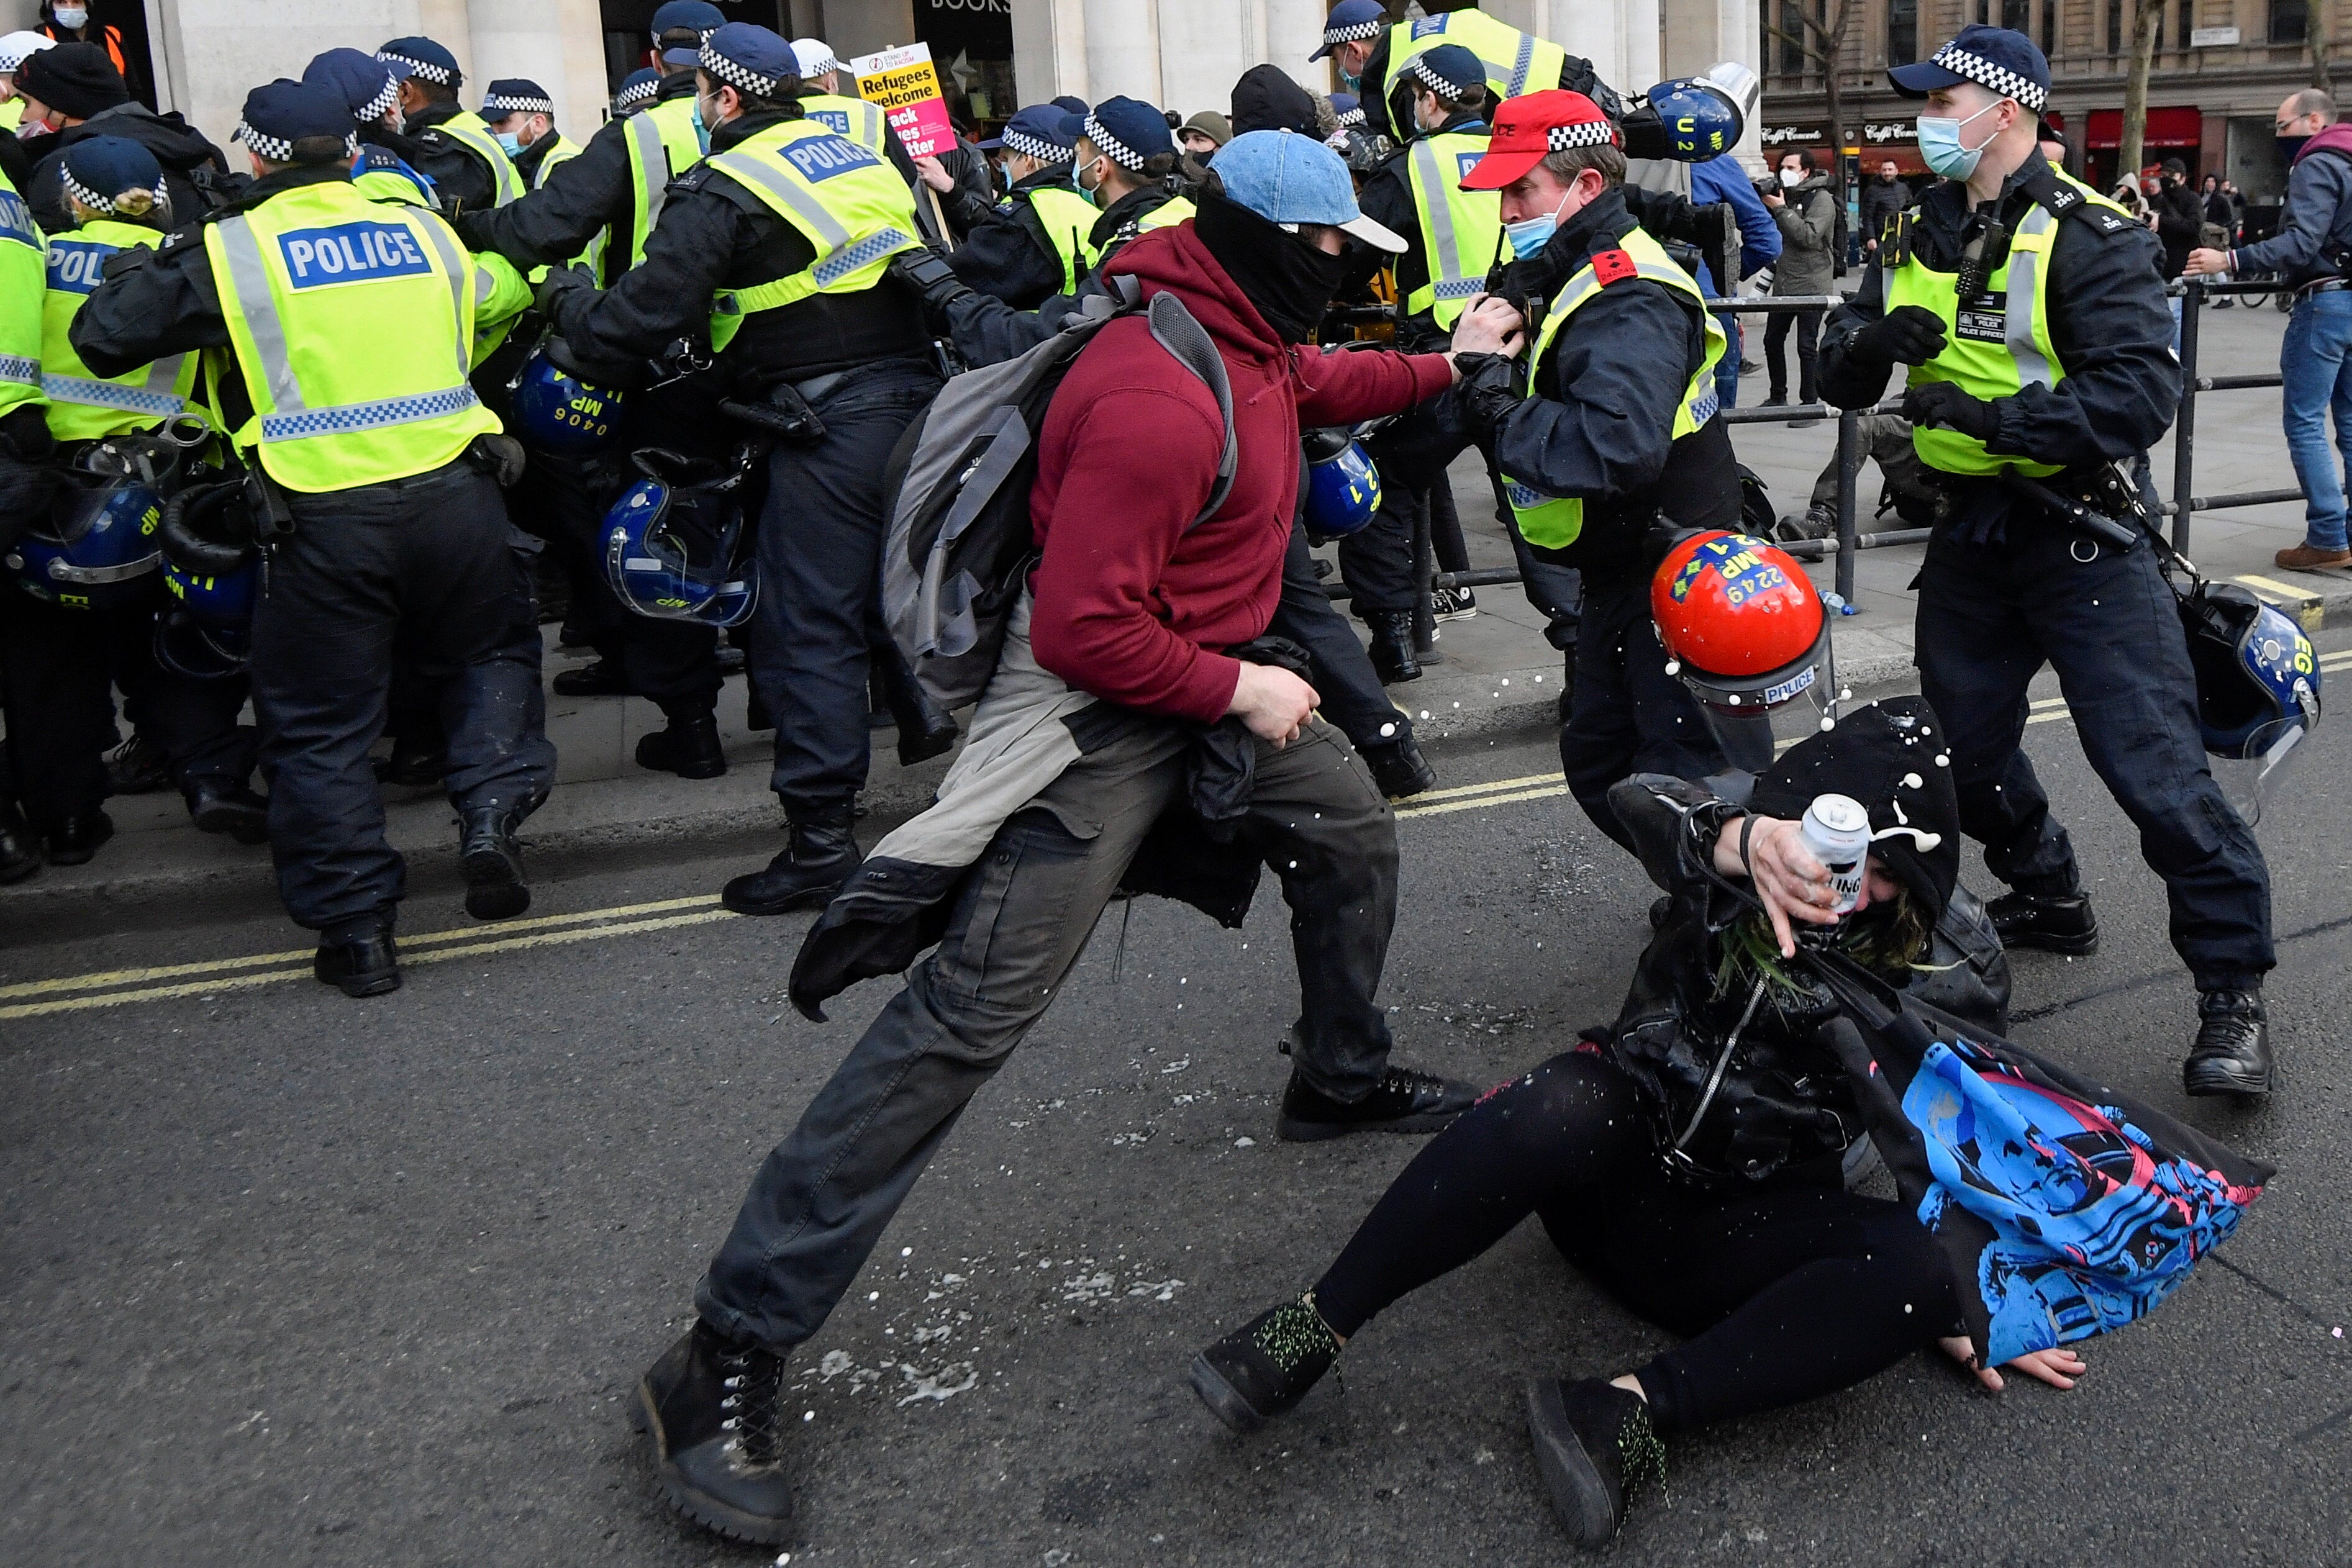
2315 363
1727 369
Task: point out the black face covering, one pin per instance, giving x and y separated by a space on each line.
1289 281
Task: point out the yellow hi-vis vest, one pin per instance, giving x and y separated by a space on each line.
83 406
1461 231
469 129
1552 522
12 114
1515 62
852 119
849 203
1995 346
563 151
353 325
662 146
24 287
1069 219
1166 216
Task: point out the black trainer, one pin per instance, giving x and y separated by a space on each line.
2233 1053
1399 767
1394 658
822 855
1264 1368
1594 1449
1403 1101
137 767
710 1404
598 678
218 805
366 964
492 862
2055 922
688 746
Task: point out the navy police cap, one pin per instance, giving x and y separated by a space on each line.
1127 130
1039 131
282 112
422 58
700 14
1994 57
1351 21
100 168
1449 70
368 86
516 95
750 59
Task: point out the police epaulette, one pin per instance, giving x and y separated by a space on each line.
692 179
2065 201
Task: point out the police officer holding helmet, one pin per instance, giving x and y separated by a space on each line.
773 252
342 330
2030 313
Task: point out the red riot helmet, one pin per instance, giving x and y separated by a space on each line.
1746 631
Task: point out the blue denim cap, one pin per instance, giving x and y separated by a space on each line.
1290 179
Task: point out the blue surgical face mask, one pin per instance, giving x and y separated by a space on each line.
1349 81
1079 182
702 126
510 142
1529 236
1940 147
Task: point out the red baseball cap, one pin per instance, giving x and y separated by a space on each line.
1526 129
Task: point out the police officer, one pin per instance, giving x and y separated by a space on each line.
1613 430
772 251
2031 312
1031 245
1370 53
1125 156
453 144
342 330
370 89
13 48
637 90
521 115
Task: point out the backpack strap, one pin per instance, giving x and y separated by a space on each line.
1188 340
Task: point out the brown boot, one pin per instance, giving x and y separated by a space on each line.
2307 557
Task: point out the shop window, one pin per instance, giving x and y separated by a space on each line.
2290 21
1902 32
2050 29
2017 15
2114 26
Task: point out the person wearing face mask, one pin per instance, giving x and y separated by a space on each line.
1372 65
771 261
521 115
73 92
2313 252
453 144
71 23
1033 244
1123 163
1128 633
2030 313
13 48
1806 211
1612 428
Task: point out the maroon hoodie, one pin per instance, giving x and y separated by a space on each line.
1130 606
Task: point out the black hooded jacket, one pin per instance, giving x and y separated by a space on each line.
1783 1102
1267 99
194 173
465 182
1005 252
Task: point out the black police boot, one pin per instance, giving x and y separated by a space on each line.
74 839
366 964
1399 767
1264 1368
924 732
1393 659
218 805
731 661
412 766
688 747
1594 1449
2233 1053
492 862
2055 922
822 855
710 1404
20 847
137 767
1403 1101
600 678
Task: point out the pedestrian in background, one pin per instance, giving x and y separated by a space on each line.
1882 198
1807 213
2315 355
1722 179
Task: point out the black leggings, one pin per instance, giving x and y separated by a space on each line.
1784 1294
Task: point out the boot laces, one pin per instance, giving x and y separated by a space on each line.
1640 1454
753 1383
1294 1334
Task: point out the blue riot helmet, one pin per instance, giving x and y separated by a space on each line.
95 549
1689 120
213 571
675 547
1343 488
556 412
2257 687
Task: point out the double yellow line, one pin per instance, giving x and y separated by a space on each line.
118 987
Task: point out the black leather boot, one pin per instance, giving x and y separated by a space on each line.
924 732
1393 659
492 862
688 746
74 839
218 805
20 847
1403 1101
822 855
1264 1368
365 964
2055 922
413 766
2233 1053
1399 767
599 678
1594 1449
710 1405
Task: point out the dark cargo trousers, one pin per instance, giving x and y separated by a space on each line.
1628 715
1991 616
427 569
1022 917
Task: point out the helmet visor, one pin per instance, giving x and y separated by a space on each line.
1755 717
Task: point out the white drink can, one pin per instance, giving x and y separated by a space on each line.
1836 830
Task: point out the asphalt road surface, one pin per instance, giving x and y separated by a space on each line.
287 1278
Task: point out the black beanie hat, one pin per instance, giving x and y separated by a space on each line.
1892 757
78 80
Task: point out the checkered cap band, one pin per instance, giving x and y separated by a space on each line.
1111 147
418 68
828 61
1354 31
497 107
644 92
279 149
379 106
1029 146
84 194
1424 73
1999 78
1591 133
1352 117
741 77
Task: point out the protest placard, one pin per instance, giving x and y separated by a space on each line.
906 85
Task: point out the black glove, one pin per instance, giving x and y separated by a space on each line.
927 272
1941 402
1488 388
499 456
559 280
1906 335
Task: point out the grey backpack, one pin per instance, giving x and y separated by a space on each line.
961 544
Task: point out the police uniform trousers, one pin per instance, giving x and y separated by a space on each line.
1991 616
61 666
427 569
1020 919
820 550
1627 715
1353 695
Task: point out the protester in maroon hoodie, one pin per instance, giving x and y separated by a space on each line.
1129 700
